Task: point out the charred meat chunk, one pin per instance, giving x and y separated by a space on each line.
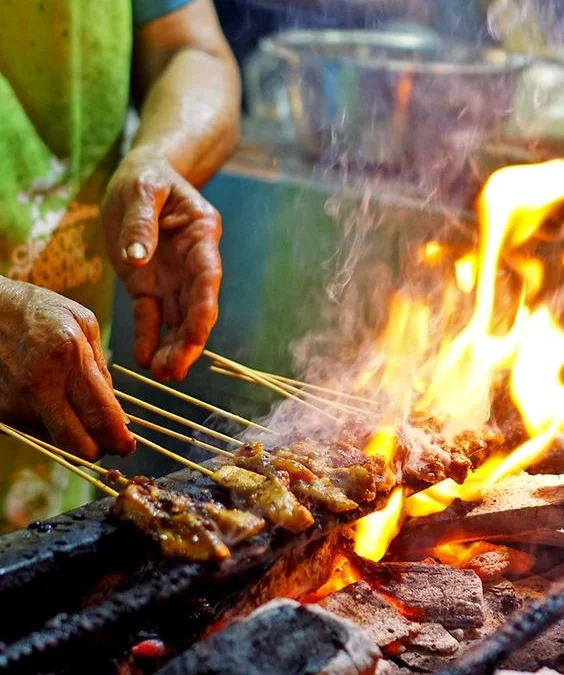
271 496
172 520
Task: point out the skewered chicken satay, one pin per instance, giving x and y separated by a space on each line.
271 496
234 525
303 483
357 476
182 528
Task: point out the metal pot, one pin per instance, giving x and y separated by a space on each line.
403 99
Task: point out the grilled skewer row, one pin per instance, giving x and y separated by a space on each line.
276 486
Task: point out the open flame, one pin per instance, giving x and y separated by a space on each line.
509 337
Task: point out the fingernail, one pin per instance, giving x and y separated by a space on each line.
135 251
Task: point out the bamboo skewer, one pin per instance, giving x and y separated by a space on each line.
266 382
176 418
178 436
178 458
295 390
298 383
59 460
190 399
331 404
72 458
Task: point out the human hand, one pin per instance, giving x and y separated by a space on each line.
162 238
53 373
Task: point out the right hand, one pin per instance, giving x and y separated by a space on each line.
53 372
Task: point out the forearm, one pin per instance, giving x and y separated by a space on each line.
191 114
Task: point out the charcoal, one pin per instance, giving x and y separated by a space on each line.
546 650
542 671
426 663
434 639
500 601
282 638
493 564
375 615
429 593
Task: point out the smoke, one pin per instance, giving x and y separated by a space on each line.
430 140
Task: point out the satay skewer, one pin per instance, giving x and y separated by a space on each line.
266 382
298 383
190 399
172 455
176 418
102 471
180 437
59 460
294 390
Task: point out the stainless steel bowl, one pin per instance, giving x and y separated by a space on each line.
393 97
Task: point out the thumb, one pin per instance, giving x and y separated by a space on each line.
139 232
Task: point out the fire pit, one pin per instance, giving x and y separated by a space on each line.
450 420
87 596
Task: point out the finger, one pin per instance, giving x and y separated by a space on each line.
65 428
139 230
200 303
171 309
147 316
159 364
91 329
97 408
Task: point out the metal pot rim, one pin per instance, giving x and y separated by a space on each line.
298 46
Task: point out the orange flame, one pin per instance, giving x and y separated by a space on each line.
504 335
343 574
375 532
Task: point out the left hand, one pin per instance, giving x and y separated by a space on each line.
163 237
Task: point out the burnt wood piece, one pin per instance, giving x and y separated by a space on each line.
428 593
553 460
518 504
282 638
299 572
148 594
522 628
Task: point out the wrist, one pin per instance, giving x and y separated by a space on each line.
149 153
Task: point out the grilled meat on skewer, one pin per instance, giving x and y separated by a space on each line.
181 527
303 483
235 525
359 477
271 496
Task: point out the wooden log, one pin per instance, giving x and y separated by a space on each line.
283 637
428 593
519 506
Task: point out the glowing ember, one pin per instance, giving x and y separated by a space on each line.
344 574
471 556
507 336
